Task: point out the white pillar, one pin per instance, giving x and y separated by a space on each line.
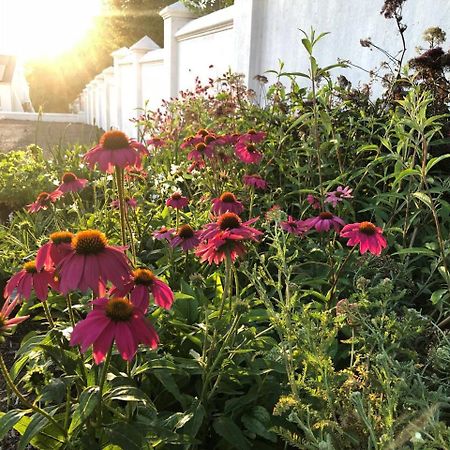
248 36
118 55
175 16
108 75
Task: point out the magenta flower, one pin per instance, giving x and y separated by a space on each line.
52 253
252 136
130 203
5 322
70 183
29 278
92 263
313 201
369 237
44 200
164 233
114 319
227 202
226 236
324 222
145 281
201 151
196 165
293 226
156 142
191 141
255 181
186 238
338 195
115 150
177 201
247 153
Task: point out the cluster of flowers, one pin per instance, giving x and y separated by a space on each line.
365 234
84 261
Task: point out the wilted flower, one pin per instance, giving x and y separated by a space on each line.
44 200
293 226
313 201
130 202
5 322
255 181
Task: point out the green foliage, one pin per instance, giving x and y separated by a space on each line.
303 342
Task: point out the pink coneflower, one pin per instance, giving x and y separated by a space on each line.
156 142
115 150
324 222
92 263
196 165
145 281
190 141
338 195
114 319
255 181
23 282
186 238
247 153
5 322
164 233
177 201
130 202
313 201
229 139
44 200
70 183
201 151
227 202
252 136
369 237
293 226
226 237
51 253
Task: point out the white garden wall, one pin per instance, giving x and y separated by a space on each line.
249 37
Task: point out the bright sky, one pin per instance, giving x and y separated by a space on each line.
35 29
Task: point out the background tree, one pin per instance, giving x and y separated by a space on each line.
56 82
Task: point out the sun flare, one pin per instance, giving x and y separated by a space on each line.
35 29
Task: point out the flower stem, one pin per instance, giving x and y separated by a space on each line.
25 401
252 199
120 192
102 383
48 314
226 289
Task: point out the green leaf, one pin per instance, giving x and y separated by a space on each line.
433 161
126 436
186 306
9 419
439 295
89 399
416 251
36 424
130 394
227 429
425 198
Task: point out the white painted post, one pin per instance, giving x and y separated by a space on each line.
108 76
175 16
117 115
99 100
247 32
